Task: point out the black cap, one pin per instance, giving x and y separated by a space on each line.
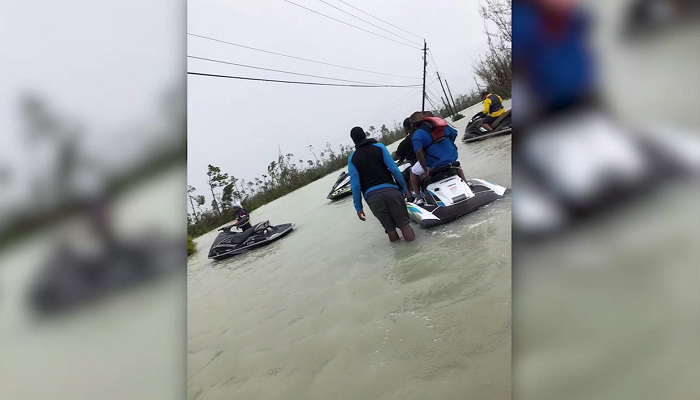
357 134
484 93
407 123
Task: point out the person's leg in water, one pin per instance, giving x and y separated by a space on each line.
377 203
399 215
394 236
407 232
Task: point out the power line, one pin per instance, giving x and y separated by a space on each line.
430 54
381 115
350 5
299 58
433 94
298 83
394 108
356 27
277 70
431 103
364 20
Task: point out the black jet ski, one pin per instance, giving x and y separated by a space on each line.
342 189
474 131
583 162
71 279
447 197
229 243
652 17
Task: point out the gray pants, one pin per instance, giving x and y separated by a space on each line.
389 207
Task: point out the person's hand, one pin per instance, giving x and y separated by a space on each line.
361 215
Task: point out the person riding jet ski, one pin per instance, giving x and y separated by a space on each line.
431 148
405 150
229 243
493 108
242 218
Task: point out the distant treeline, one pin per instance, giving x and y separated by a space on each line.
284 175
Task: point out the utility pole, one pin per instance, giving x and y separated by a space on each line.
443 91
478 89
425 67
447 107
454 105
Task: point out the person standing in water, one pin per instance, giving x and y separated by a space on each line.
374 175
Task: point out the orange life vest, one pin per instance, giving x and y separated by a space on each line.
437 127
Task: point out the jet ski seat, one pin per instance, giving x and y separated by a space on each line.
439 173
241 237
500 119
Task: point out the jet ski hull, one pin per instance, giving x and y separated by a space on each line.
229 244
341 188
472 133
71 280
450 198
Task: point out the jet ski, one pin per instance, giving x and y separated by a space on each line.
229 243
71 279
447 197
474 131
405 168
341 188
650 17
583 162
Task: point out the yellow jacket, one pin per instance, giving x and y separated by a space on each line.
489 101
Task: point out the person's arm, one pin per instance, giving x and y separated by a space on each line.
243 218
355 185
393 168
400 153
418 148
487 105
421 159
395 156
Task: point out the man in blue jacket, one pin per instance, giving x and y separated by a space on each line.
432 153
374 175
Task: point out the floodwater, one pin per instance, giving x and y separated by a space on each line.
335 311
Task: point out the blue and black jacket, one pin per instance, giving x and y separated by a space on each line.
371 167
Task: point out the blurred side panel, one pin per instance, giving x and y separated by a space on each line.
606 160
92 227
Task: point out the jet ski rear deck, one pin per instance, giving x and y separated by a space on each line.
447 198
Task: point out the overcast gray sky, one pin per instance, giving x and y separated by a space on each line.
238 125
